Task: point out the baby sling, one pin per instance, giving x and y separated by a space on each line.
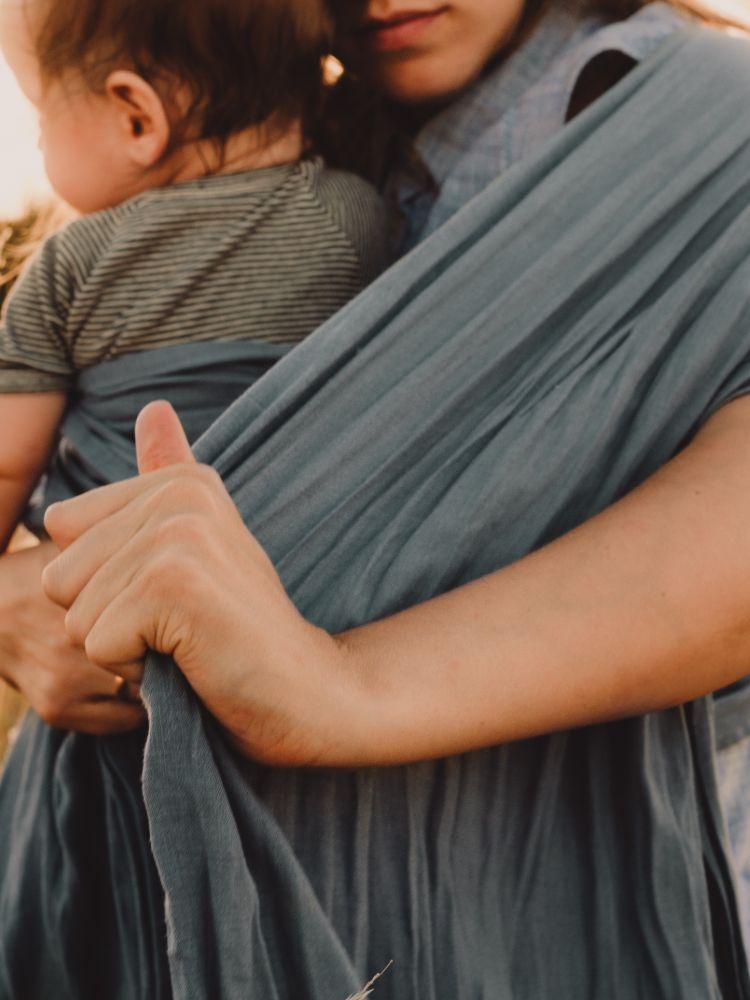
556 342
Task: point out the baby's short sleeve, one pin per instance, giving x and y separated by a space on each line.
34 355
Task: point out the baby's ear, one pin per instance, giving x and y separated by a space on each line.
141 117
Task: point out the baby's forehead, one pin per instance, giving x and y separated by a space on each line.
17 10
16 14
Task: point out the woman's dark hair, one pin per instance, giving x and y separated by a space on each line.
243 62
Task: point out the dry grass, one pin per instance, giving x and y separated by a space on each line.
19 238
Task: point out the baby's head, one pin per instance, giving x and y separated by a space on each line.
135 94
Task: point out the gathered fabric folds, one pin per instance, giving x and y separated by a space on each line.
96 443
556 342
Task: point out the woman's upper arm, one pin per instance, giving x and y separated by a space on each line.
645 606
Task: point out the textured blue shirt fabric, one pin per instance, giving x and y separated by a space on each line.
519 105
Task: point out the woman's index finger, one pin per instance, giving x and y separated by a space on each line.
68 520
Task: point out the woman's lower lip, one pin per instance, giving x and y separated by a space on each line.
400 34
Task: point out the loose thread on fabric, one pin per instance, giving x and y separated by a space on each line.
367 989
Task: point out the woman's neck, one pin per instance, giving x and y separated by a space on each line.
252 149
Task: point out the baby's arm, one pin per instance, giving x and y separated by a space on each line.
28 428
37 368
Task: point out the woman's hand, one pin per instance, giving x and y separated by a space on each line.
638 609
164 562
38 658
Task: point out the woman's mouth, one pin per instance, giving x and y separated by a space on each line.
401 31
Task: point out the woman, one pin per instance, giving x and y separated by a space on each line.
470 871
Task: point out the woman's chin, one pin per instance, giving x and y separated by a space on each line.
423 82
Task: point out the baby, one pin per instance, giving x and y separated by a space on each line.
210 240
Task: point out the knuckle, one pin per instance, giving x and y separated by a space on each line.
207 475
192 582
157 584
178 534
55 520
168 495
75 627
204 489
48 713
52 582
202 484
173 572
60 525
191 530
163 571
193 489
95 652
49 707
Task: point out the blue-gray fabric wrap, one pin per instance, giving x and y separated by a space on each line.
96 443
551 346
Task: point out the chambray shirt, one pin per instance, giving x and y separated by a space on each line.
513 109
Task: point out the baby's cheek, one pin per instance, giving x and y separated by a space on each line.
75 179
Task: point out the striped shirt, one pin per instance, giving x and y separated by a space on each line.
266 254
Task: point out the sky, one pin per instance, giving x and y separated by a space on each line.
21 171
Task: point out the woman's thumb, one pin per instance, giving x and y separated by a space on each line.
159 438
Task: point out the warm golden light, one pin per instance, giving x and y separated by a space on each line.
736 10
21 170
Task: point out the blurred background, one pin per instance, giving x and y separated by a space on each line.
21 174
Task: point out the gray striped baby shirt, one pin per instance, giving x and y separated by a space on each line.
266 254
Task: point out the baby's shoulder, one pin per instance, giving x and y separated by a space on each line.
343 188
356 208
78 246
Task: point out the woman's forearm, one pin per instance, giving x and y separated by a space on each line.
644 607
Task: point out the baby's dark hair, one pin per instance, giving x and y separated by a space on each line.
242 62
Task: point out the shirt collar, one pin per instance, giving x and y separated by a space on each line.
442 142
516 106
